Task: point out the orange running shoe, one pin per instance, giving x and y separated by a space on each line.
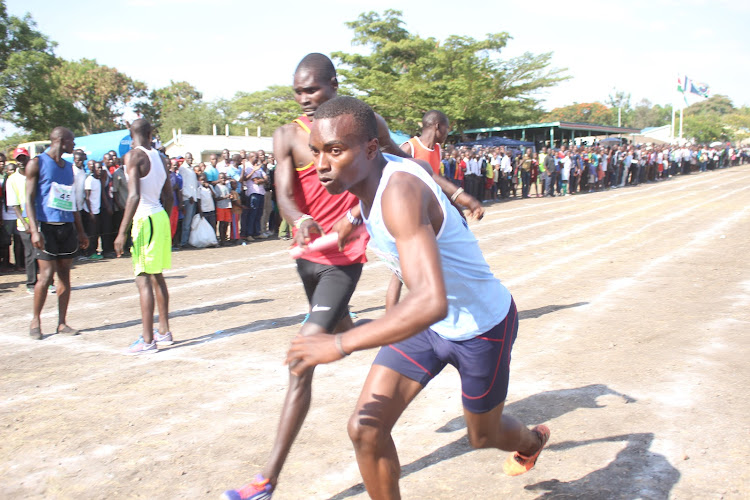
517 464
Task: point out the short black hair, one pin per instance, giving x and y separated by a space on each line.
319 64
366 128
433 117
140 127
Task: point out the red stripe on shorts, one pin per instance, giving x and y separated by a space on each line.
410 359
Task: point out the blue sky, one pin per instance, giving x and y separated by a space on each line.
225 46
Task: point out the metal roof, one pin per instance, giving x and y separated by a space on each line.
607 129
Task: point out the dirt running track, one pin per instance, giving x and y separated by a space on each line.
632 347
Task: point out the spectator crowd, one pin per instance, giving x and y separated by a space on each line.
234 193
499 173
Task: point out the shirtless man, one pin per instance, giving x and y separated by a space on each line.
444 319
54 225
329 277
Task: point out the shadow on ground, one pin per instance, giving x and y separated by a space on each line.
182 312
261 324
118 282
635 472
541 311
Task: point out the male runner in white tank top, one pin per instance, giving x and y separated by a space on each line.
446 318
149 201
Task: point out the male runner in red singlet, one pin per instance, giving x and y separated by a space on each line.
435 127
329 277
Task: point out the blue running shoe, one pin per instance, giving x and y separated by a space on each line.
260 488
141 347
307 316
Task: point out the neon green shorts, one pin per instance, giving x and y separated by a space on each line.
152 244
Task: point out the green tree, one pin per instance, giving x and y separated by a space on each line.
712 119
267 109
647 115
716 105
587 112
101 93
405 75
705 129
174 98
29 94
621 100
10 142
739 123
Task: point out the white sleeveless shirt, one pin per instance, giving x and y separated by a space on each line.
477 301
151 185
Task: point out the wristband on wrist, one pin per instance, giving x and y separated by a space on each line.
354 221
302 219
457 194
337 341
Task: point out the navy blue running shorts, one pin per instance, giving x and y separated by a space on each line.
482 362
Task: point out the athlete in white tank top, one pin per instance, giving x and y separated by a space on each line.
151 185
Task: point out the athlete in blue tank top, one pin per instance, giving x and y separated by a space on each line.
55 226
456 311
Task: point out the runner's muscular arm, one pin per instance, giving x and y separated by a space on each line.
283 139
407 205
32 179
133 161
167 200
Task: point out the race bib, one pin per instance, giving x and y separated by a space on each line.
61 197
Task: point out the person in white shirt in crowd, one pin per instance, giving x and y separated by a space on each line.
254 178
189 198
92 204
223 165
206 202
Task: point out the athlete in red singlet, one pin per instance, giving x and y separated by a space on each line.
329 277
326 209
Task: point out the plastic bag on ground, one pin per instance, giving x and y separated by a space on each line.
201 234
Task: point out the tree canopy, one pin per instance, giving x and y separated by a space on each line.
587 112
29 94
99 92
405 75
267 109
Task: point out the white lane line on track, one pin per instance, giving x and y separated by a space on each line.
672 186
592 212
680 186
76 306
576 256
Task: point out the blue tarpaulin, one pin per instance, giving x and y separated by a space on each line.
399 137
97 145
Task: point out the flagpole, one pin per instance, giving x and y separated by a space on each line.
671 130
681 124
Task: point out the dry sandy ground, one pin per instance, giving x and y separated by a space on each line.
632 348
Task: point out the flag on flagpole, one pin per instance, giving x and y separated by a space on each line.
700 89
690 92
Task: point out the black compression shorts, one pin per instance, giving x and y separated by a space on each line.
328 290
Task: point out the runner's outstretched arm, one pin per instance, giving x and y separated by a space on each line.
464 199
